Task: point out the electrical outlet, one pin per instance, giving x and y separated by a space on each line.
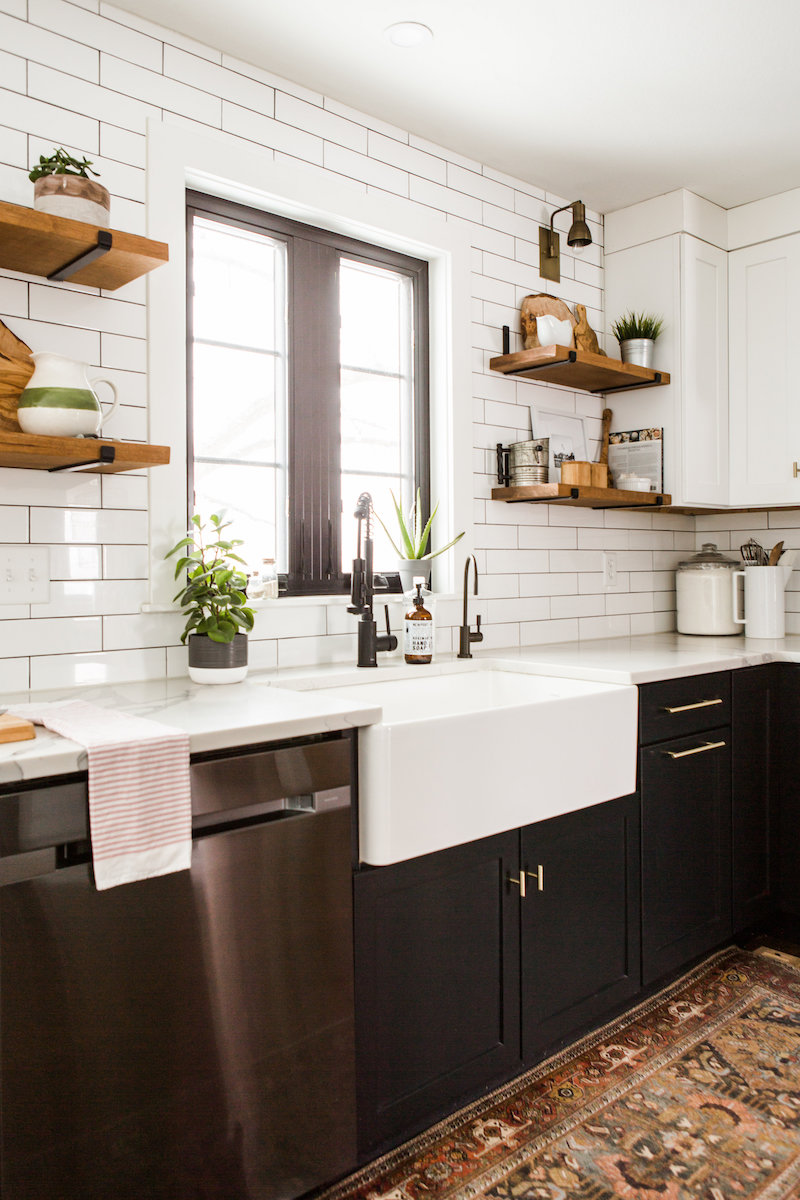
24 574
610 573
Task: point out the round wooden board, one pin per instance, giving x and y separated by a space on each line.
542 305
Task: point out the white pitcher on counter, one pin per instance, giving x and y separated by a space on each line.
764 601
59 400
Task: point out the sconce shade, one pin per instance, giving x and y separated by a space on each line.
579 235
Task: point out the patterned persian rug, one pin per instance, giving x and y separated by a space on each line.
694 1093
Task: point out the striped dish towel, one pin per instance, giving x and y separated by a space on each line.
140 811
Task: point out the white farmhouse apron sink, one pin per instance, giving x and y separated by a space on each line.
462 755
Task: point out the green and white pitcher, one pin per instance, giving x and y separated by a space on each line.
59 400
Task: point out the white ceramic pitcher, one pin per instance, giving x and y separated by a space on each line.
764 602
59 400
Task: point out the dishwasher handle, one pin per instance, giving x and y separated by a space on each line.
19 868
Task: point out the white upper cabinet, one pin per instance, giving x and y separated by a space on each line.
684 280
764 408
730 417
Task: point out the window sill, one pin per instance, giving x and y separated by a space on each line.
305 602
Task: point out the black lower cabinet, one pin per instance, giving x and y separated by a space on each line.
451 957
756 710
789 789
580 921
686 849
437 984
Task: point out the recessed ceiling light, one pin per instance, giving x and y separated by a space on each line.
409 33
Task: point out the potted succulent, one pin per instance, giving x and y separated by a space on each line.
636 334
214 603
61 186
414 535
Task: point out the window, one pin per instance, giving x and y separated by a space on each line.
307 366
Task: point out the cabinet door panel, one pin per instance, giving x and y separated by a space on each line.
789 789
686 850
764 415
437 992
580 934
753 787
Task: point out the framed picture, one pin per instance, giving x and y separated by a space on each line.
567 434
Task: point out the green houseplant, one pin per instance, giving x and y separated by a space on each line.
213 600
414 537
62 187
636 334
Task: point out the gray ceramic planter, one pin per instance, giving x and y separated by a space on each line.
217 662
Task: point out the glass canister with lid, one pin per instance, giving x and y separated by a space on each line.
704 586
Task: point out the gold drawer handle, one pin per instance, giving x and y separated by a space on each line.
520 883
698 704
538 875
695 750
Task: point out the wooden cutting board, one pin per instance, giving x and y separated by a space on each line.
542 305
16 368
15 729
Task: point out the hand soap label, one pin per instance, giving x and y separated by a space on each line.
418 638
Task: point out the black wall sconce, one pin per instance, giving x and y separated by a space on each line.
549 252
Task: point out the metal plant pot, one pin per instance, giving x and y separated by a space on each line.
638 351
217 662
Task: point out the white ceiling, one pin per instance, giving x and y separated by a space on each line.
609 101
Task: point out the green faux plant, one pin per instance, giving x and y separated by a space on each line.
414 533
637 325
214 597
61 163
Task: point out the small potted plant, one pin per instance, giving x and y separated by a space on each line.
214 603
62 187
636 334
414 535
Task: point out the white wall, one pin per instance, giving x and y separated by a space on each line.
89 76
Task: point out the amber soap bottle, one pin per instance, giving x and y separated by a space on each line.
418 631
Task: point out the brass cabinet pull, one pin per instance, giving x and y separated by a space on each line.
698 704
795 470
538 875
520 883
695 750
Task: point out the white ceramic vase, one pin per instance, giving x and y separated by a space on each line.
58 400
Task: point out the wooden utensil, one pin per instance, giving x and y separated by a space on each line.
775 554
16 368
15 729
600 468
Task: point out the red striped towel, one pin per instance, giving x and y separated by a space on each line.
140 811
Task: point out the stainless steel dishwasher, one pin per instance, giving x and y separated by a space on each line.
188 1037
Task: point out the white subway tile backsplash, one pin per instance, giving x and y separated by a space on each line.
76 670
93 76
14 674
74 525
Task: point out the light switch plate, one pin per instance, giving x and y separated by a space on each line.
24 574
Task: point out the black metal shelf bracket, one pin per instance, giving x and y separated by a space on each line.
104 242
107 456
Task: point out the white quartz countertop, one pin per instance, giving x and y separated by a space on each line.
273 705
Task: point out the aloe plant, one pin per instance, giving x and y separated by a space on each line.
213 598
414 534
637 325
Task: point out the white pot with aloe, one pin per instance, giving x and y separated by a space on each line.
414 558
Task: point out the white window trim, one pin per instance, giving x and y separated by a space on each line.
221 165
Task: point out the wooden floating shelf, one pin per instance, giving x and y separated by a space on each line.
579 496
87 455
57 248
577 369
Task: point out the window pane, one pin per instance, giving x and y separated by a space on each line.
377 397
239 390
248 496
238 286
379 487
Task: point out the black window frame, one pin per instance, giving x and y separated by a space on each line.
313 462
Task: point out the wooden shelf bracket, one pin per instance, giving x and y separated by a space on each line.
104 244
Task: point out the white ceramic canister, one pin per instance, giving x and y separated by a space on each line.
705 585
58 400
